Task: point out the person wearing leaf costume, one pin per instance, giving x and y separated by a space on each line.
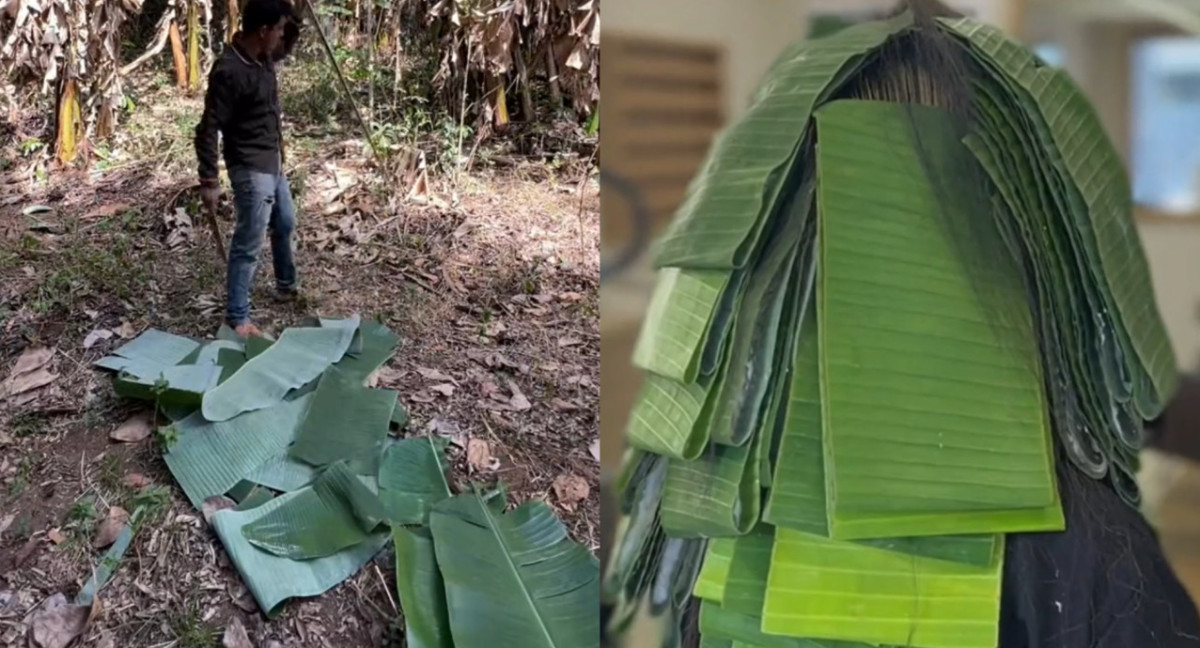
898 362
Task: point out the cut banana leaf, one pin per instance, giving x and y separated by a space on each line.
256 345
670 418
728 203
739 407
716 622
299 356
273 579
283 473
1078 144
344 420
210 458
929 406
797 497
746 584
715 572
514 580
255 498
846 591
716 495
412 479
710 642
153 347
179 385
377 345
677 323
336 512
210 353
422 593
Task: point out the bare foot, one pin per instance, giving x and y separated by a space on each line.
248 329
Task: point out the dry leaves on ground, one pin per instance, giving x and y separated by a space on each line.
29 374
479 455
210 506
570 489
137 428
111 527
57 623
235 635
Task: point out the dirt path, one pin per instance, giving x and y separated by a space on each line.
495 299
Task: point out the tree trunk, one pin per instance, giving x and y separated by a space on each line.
70 120
556 99
193 53
178 56
501 112
523 82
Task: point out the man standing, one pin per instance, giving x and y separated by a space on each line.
242 104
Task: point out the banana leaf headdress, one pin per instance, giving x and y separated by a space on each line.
903 317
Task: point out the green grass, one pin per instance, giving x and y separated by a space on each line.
189 629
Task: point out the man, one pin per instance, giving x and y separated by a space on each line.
242 105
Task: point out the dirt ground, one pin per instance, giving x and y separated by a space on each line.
490 279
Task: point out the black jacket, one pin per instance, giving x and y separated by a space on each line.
242 104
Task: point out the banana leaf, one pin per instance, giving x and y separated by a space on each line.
745 585
847 591
299 356
897 431
716 495
710 642
514 580
1071 133
678 322
283 473
728 203
670 418
256 345
179 385
209 458
412 479
377 345
719 623
344 421
274 579
715 572
336 512
422 593
255 498
152 347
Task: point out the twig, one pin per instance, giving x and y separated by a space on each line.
386 589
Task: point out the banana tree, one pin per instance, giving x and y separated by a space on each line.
902 346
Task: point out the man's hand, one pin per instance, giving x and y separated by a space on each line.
209 192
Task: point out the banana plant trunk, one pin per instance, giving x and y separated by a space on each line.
177 55
193 52
70 122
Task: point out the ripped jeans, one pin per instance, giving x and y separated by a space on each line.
262 202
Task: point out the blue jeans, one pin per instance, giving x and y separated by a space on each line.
263 202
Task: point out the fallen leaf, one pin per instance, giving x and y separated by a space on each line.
434 374
235 635
107 211
137 428
422 397
57 623
568 342
95 336
389 376
570 296
442 427
32 359
445 389
136 481
562 405
126 331
110 527
594 448
570 489
518 401
241 597
56 536
212 505
479 455
6 522
29 373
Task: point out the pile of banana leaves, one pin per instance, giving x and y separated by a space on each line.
286 442
903 293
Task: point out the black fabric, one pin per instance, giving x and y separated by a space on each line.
1103 583
242 105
